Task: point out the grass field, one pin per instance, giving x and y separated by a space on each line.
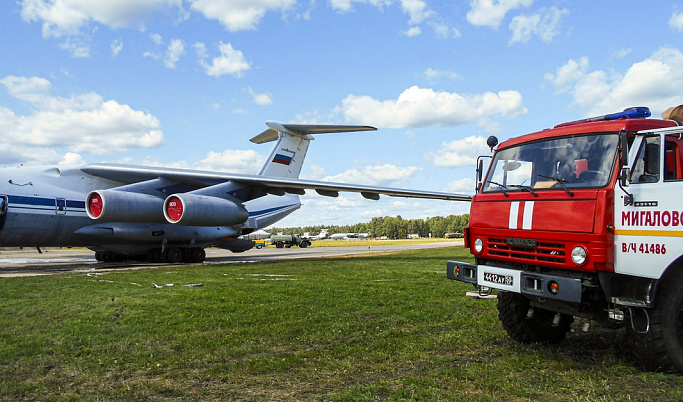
373 242
384 327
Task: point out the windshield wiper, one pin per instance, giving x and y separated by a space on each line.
502 187
560 182
527 188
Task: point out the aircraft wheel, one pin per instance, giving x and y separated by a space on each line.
154 255
198 254
99 256
174 255
111 257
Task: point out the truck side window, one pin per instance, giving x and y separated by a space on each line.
646 168
672 158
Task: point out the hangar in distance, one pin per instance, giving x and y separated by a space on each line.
163 214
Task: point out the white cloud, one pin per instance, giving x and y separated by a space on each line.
239 15
231 61
569 74
344 6
544 24
413 31
417 10
676 22
653 82
237 161
72 19
462 186
492 12
68 17
156 38
421 107
459 153
175 50
432 74
443 31
80 123
375 175
116 47
259 99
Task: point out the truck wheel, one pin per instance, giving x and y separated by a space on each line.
661 348
512 312
279 244
303 244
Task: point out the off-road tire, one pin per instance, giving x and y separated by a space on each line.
512 312
661 348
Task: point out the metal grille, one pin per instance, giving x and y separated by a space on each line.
544 252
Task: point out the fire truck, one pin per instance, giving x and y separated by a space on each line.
585 220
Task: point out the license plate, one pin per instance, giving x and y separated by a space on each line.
499 279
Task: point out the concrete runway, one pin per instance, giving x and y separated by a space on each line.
28 262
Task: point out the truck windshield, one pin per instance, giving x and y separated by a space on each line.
558 163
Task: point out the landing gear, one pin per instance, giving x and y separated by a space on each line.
169 255
106 256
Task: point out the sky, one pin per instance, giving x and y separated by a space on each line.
187 83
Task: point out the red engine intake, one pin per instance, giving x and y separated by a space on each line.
124 206
200 210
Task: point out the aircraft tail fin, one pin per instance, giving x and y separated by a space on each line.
287 157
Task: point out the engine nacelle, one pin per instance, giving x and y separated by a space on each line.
201 210
124 206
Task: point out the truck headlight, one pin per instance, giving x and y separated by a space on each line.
579 255
478 245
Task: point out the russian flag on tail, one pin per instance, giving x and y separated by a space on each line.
283 158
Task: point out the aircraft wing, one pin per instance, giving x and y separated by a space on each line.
130 174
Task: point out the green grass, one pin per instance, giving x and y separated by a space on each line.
373 242
385 327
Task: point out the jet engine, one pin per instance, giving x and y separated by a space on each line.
124 206
200 210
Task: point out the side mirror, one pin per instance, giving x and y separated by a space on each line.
624 176
624 179
480 173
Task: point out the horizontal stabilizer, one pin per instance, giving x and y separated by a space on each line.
304 130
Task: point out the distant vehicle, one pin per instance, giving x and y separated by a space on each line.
288 241
165 214
259 244
455 235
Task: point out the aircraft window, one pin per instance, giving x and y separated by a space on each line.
3 205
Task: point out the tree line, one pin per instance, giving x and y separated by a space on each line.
391 227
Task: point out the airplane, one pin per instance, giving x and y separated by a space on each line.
255 235
320 236
124 212
349 236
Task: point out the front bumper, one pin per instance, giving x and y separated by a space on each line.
556 287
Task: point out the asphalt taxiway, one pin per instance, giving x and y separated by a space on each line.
29 262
